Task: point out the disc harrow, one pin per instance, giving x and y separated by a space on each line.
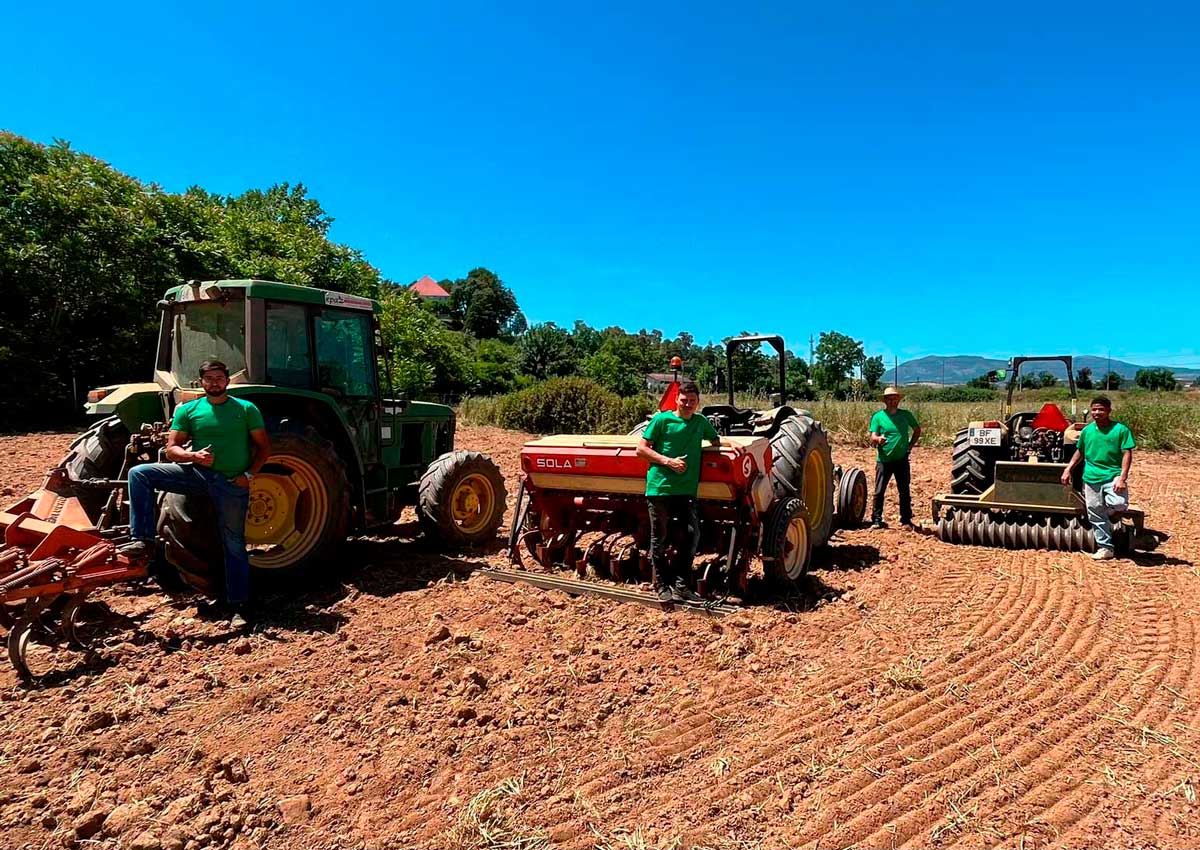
1061 533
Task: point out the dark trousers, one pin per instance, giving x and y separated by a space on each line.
885 472
673 517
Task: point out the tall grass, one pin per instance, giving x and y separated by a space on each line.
1158 420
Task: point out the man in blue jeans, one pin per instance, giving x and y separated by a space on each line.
1106 449
234 446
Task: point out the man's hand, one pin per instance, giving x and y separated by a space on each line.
204 457
676 464
878 439
1119 486
1065 478
242 481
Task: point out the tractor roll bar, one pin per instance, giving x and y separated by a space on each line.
775 341
1015 364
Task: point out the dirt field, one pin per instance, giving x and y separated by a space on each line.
924 695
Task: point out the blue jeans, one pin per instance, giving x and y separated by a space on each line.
230 502
1101 500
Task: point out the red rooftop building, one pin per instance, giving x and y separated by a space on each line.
427 287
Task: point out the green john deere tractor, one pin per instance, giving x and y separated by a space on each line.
344 457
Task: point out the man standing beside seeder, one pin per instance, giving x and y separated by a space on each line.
672 444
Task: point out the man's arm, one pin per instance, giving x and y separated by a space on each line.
874 437
262 449
647 452
176 452
1122 482
1076 459
916 438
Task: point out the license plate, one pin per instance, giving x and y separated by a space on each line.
984 437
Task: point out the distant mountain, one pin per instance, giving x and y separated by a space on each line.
962 368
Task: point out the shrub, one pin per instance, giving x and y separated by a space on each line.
560 406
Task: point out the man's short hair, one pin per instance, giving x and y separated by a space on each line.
1102 400
211 365
688 387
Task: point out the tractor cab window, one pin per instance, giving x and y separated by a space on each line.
344 357
289 363
208 330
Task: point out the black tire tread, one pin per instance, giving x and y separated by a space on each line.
972 469
436 487
797 436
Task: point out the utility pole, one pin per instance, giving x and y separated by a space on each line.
812 355
896 372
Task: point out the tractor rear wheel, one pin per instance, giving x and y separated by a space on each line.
787 542
972 468
852 498
461 498
299 513
802 467
97 453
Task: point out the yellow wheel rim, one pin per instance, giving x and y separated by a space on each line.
859 506
795 548
815 489
287 514
472 502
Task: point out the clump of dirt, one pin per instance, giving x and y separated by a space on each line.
915 693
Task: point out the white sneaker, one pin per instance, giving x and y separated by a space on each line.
1103 555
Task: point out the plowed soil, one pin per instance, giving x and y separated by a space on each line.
916 695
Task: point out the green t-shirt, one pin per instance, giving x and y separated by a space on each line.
1102 451
670 434
225 427
898 428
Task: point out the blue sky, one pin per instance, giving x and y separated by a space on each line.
932 178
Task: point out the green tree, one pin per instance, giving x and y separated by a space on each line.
837 354
618 366
586 339
545 351
481 305
986 381
1083 378
873 369
1112 381
426 357
798 379
496 367
1157 378
1042 380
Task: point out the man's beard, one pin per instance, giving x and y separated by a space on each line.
215 393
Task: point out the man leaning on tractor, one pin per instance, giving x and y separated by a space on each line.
1106 449
233 445
672 444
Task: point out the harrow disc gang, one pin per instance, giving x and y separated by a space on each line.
982 528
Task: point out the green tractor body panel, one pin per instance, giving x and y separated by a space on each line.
308 359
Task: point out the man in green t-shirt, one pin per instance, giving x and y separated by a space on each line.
893 433
1105 448
233 445
672 444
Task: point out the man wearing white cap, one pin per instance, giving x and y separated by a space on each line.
893 434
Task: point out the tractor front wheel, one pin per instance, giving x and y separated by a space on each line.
461 498
852 498
298 514
972 468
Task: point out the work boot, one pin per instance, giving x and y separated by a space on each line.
137 549
680 592
664 594
878 523
238 621
1103 555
